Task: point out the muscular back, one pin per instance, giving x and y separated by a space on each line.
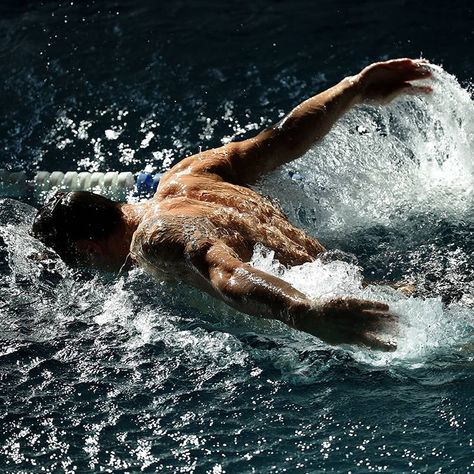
193 211
211 187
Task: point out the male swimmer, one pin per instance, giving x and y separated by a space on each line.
204 221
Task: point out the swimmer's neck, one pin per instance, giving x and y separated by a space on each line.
132 215
116 248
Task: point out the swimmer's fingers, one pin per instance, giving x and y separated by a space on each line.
409 69
403 62
379 314
415 90
350 321
382 82
375 316
378 321
408 88
356 312
404 88
398 69
382 315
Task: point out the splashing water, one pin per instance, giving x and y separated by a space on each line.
381 165
136 374
425 324
384 180
397 182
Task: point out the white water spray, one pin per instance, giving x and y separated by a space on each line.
400 168
380 163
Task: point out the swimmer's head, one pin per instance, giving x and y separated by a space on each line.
79 226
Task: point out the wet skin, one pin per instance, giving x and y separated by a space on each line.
204 221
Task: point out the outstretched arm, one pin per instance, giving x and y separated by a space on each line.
338 321
244 162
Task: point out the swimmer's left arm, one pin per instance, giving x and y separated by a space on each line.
311 120
244 162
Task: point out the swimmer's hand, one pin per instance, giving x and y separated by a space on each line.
382 82
349 321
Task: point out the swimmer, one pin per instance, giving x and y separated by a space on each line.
204 221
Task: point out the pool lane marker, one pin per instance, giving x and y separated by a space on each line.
113 184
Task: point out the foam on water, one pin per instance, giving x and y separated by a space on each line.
380 163
425 324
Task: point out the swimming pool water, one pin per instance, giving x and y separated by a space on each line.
125 374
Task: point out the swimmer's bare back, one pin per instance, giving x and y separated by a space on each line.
204 222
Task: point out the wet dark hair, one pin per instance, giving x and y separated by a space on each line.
69 217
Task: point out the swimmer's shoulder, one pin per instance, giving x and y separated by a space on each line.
171 239
158 235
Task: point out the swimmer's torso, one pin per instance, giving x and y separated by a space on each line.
191 213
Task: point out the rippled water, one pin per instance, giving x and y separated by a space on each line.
127 374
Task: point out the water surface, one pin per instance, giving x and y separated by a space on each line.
125 374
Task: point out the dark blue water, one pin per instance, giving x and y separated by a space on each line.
126 374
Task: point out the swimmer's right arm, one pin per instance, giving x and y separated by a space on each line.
337 321
246 161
